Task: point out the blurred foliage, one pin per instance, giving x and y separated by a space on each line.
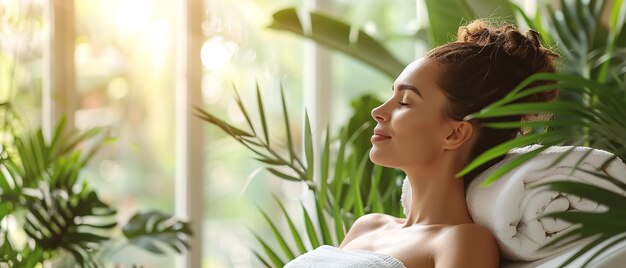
41 192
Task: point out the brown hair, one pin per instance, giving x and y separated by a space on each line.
481 67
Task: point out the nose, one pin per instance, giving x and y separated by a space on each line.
379 114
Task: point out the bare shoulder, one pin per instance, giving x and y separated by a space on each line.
468 230
364 224
467 245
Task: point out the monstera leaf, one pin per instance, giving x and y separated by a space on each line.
151 230
74 222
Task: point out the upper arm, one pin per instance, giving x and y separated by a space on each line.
468 245
362 225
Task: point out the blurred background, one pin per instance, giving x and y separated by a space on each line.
139 67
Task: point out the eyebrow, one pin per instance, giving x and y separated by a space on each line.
408 87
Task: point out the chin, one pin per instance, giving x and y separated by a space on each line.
377 159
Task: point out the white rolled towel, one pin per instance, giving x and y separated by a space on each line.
510 209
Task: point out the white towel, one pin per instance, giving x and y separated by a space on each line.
509 209
332 257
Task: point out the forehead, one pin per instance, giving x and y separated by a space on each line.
419 70
423 74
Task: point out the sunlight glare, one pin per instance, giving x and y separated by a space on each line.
132 16
216 53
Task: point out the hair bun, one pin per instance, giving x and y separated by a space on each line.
525 48
524 51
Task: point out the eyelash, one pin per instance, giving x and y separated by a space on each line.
403 103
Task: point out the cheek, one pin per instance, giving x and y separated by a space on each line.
420 147
415 141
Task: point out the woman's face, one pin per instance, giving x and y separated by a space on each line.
411 125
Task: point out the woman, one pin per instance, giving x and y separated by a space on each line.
421 130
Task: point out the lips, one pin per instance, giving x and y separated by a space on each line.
379 135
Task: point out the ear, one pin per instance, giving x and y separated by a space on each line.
460 133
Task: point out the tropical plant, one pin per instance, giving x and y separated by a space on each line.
605 120
591 112
589 48
348 189
41 191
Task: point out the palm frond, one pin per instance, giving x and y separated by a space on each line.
335 34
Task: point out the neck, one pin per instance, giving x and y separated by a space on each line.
437 196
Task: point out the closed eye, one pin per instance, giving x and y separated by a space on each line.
403 103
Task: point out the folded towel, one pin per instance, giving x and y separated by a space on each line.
509 209
332 257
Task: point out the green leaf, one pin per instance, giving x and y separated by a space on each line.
229 129
339 165
270 253
564 81
356 187
588 191
292 153
340 228
533 24
308 147
270 161
337 184
604 248
278 236
336 35
324 172
584 250
322 224
498 9
310 229
604 222
60 220
530 124
243 110
349 193
375 200
604 176
525 108
74 142
500 150
445 16
262 115
149 229
58 132
265 263
294 233
515 162
283 175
